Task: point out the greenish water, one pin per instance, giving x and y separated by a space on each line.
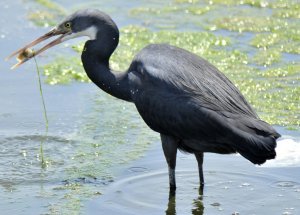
94 139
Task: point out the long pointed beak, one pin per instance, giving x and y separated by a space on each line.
23 54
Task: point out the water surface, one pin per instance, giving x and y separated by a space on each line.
101 156
232 185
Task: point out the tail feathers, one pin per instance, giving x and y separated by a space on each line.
257 149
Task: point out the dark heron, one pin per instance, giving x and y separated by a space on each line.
193 106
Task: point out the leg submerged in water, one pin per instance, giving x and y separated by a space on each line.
169 145
199 157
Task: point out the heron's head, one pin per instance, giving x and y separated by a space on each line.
90 23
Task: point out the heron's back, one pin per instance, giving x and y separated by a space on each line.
193 76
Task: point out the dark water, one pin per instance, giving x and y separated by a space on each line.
92 150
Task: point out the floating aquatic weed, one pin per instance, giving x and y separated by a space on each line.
175 15
193 10
132 40
47 14
177 6
267 57
42 18
287 40
287 4
250 24
288 13
222 2
263 87
284 4
50 5
153 10
289 72
265 40
61 71
230 62
282 112
254 3
197 10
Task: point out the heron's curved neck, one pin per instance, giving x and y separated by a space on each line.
96 64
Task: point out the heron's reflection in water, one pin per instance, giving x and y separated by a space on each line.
198 208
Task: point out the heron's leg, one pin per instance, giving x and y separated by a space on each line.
169 145
199 157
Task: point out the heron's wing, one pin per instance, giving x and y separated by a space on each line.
183 117
192 76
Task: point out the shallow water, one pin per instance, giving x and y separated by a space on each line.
99 148
232 185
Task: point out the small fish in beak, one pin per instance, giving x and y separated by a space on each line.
25 53
23 56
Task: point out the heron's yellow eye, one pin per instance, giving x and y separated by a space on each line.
68 24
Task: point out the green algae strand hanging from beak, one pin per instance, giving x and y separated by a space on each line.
43 162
